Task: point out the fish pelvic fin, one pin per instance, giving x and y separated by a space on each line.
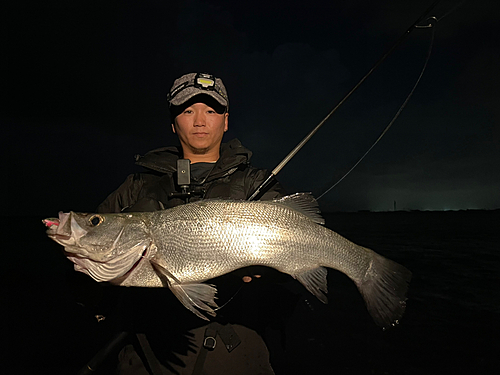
384 289
315 282
304 203
194 296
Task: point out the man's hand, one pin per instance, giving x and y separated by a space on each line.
247 279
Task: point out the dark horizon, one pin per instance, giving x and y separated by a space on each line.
85 86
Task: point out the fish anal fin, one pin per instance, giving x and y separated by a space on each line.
304 203
315 282
194 296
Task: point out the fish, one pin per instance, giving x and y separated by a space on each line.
183 247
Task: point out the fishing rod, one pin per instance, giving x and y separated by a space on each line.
297 148
431 20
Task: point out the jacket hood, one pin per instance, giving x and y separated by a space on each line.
164 160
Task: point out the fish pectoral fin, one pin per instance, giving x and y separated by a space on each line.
194 296
315 281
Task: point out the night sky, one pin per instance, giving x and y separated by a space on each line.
84 90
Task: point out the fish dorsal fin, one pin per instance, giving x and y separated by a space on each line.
304 203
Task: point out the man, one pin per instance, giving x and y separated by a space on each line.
198 106
170 339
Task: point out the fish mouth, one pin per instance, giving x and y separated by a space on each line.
51 222
59 237
64 229
52 225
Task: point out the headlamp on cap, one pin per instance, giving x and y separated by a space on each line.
204 81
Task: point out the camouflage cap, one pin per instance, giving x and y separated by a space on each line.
192 84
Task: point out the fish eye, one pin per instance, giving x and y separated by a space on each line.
95 220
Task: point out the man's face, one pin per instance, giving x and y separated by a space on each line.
200 128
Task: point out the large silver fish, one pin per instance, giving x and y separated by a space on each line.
186 245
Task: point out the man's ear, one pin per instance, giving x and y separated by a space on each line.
173 128
226 121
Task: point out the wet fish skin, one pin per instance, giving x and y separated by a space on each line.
184 246
104 251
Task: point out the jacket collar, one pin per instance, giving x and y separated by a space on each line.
164 160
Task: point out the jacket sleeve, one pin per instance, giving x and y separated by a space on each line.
256 177
126 195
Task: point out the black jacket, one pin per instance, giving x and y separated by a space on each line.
256 305
231 177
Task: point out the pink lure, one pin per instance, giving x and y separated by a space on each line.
51 222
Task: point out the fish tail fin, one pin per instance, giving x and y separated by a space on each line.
384 290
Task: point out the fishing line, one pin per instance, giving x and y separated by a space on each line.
452 10
229 300
430 25
309 136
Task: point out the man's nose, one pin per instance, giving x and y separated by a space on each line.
199 119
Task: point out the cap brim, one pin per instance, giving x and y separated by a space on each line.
190 92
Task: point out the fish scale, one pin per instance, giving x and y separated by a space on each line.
184 246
